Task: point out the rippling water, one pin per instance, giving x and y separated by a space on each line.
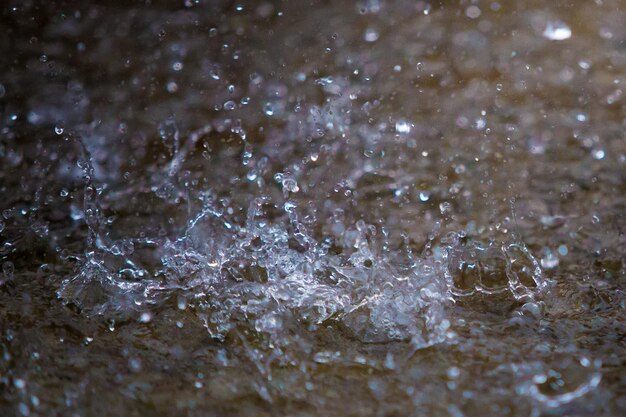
370 208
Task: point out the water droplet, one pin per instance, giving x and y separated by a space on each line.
268 109
290 206
172 87
389 361
557 31
135 364
168 132
145 317
453 372
424 196
549 260
230 105
181 303
598 154
402 126
473 12
371 35
480 123
324 81
23 409
614 96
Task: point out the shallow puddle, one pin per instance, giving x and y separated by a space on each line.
325 208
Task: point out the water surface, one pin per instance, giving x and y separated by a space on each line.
373 208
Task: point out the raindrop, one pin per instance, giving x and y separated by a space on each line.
23 409
453 372
402 126
557 31
614 96
598 154
371 35
135 364
549 259
445 207
268 109
230 105
324 81
473 12
389 361
172 87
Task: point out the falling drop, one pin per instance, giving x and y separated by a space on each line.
599 154
268 109
557 31
371 35
402 126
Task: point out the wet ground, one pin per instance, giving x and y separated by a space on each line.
327 208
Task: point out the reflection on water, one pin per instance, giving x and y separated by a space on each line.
267 208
